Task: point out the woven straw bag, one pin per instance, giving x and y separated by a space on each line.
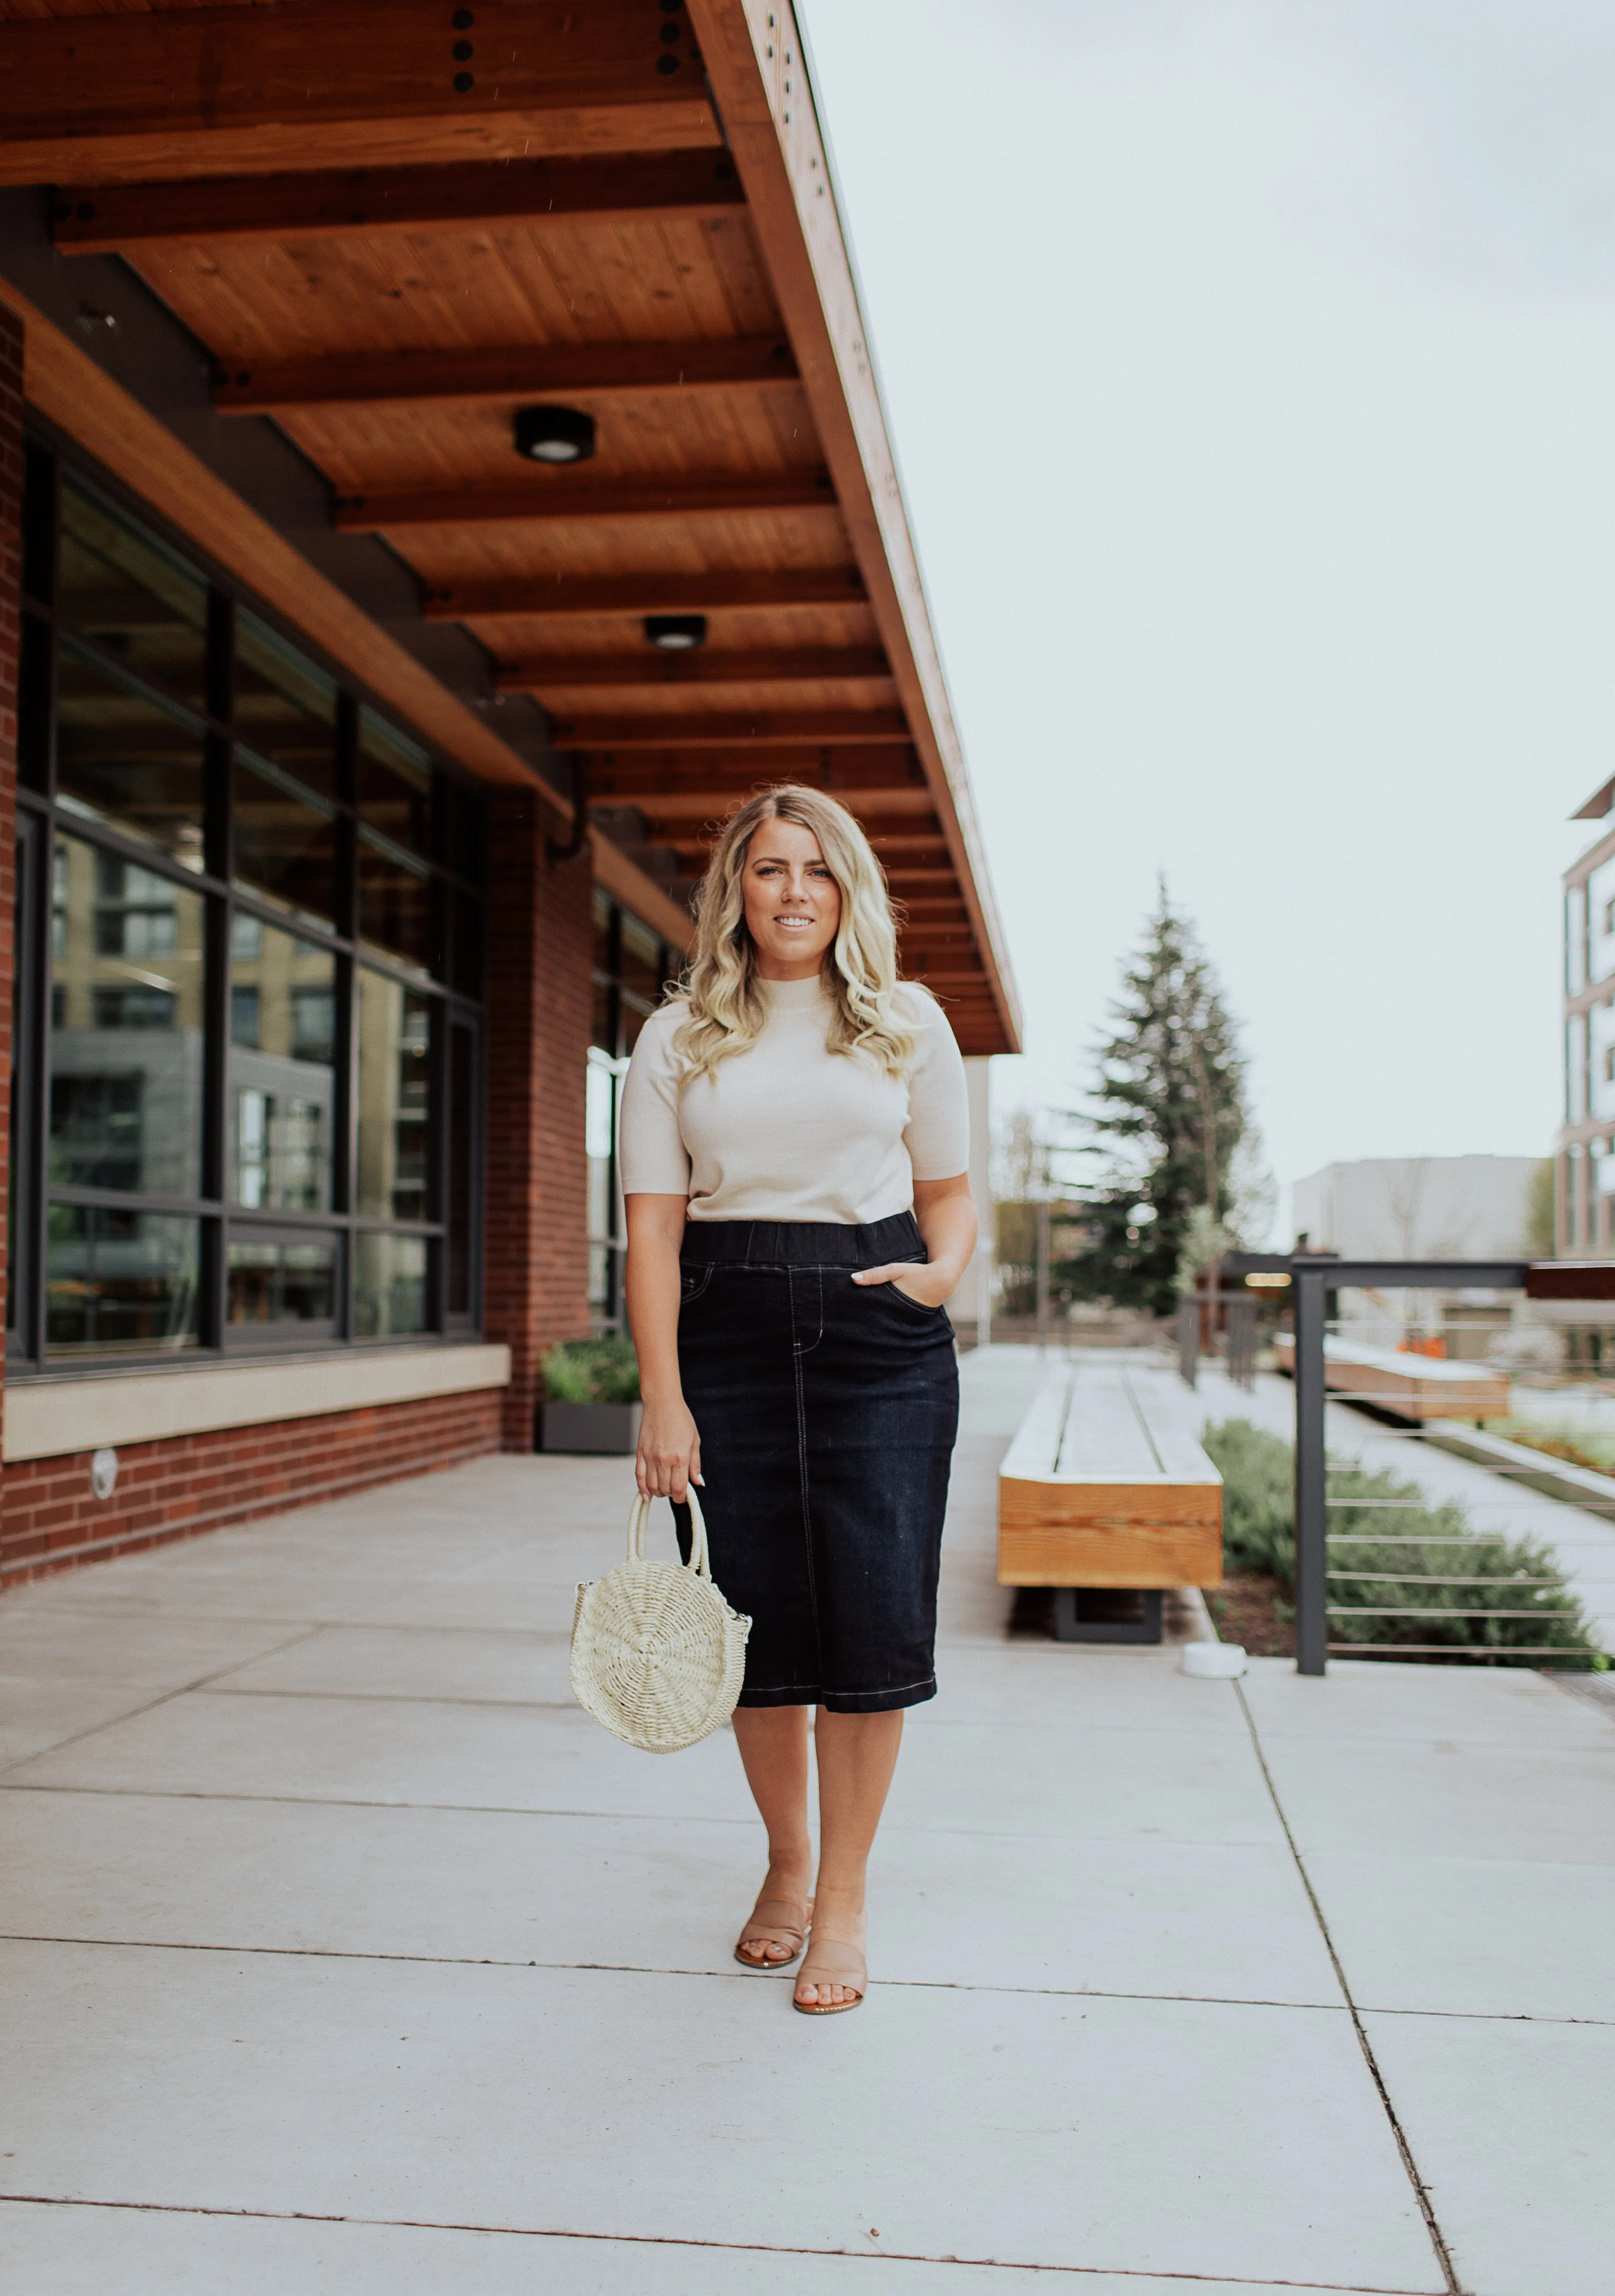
657 1655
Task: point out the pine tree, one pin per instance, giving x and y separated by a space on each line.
1169 1116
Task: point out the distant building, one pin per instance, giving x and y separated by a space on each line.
1420 1208
1586 1144
1417 1208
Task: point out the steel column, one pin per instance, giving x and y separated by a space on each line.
1311 1513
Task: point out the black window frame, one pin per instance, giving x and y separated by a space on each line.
455 800
607 1311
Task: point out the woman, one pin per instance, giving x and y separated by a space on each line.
795 1136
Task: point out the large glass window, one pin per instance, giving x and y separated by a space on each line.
128 1046
632 966
286 708
124 760
120 1283
395 1099
283 1070
390 1285
228 1131
138 601
285 844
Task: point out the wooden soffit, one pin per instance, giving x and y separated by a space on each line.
172 92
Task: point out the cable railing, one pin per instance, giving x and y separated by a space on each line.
1424 1389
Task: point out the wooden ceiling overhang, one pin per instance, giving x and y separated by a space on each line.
393 227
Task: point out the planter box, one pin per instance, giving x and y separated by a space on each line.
609 1428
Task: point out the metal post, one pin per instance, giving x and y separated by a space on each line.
1188 1338
1042 1273
1311 1515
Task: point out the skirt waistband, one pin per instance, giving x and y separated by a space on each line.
801 1243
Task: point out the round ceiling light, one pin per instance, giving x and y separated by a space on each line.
676 633
554 434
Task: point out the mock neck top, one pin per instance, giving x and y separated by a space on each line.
790 1130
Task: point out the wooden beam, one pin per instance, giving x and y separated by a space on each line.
529 371
895 844
478 194
606 673
771 125
318 84
544 495
98 414
560 597
846 772
709 803
758 729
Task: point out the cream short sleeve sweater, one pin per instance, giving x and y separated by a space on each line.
791 1131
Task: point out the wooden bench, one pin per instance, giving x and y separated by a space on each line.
1106 1485
1412 1387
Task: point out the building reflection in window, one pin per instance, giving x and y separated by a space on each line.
127 1043
389 1285
394 1100
119 1281
282 1068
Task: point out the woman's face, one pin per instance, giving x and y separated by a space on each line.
793 904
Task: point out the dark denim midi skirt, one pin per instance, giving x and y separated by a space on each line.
827 1412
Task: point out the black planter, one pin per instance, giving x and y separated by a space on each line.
612 1428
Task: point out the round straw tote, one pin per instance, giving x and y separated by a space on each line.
657 1655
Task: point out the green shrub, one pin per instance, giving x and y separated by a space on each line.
1259 1497
1371 1568
592 1371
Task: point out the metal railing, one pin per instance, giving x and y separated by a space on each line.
1312 1277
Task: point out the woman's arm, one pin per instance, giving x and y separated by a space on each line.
946 1220
669 1448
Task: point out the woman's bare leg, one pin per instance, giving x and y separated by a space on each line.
773 1742
856 1756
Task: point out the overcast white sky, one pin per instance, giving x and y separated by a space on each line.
1252 369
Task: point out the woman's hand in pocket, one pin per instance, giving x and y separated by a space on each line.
668 1459
929 1285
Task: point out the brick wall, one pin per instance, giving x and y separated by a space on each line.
11 590
190 1483
538 1006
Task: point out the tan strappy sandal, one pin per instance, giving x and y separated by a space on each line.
759 1930
815 1970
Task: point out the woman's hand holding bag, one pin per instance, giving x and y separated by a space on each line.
657 1655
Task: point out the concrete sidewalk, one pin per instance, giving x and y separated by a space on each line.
343 1953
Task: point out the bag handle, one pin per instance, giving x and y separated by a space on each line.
638 1516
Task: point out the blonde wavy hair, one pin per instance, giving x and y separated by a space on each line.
725 1006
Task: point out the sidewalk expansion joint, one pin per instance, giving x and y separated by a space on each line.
722 1974
1426 2208
163 1697
739 2247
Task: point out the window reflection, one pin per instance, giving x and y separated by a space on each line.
288 1282
389 1286
123 760
395 906
282 1068
127 1045
120 1281
285 846
285 707
395 784
395 1071
122 587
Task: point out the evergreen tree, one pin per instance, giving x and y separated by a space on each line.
1169 1119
